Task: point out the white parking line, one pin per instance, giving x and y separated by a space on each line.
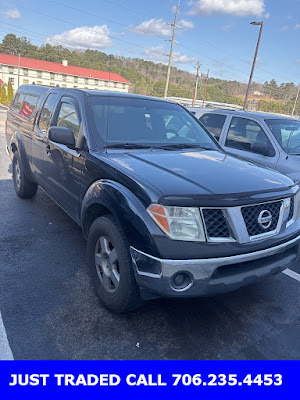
5 350
292 274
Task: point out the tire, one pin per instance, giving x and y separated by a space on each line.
110 266
24 188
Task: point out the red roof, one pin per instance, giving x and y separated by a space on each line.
26 62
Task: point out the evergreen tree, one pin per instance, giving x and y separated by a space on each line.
3 97
10 92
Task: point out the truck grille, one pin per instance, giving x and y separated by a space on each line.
216 226
251 215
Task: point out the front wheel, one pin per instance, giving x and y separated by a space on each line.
24 188
110 266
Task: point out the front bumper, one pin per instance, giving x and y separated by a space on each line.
212 275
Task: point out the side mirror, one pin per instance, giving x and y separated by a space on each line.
62 135
262 148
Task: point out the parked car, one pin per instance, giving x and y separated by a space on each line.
164 210
268 139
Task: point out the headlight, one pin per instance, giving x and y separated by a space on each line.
179 223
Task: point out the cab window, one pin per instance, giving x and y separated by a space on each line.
47 111
213 123
68 118
243 133
28 106
17 102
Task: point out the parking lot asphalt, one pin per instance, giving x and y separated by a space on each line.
49 310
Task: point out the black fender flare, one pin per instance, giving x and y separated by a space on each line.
17 143
125 207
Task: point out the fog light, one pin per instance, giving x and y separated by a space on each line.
181 281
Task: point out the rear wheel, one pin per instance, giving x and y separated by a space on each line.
24 188
110 266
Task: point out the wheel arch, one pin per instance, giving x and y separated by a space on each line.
106 197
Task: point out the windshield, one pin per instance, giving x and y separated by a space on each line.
287 134
137 123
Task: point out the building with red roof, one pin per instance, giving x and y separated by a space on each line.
24 70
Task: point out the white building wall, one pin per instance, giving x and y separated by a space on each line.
29 76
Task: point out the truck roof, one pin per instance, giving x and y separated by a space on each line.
42 89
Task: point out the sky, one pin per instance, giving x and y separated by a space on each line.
216 32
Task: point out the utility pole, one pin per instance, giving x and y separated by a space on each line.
19 62
205 90
294 108
171 50
254 61
196 85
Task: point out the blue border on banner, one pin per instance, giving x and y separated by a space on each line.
290 371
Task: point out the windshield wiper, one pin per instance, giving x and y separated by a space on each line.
127 146
180 146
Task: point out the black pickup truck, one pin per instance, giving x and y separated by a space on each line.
165 211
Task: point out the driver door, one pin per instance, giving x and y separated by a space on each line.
63 165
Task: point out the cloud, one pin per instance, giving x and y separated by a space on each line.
83 37
297 27
226 27
157 54
154 26
298 61
184 24
12 14
160 27
267 15
182 59
284 28
240 8
258 62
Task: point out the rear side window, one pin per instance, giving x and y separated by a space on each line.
28 106
17 102
68 118
47 111
213 123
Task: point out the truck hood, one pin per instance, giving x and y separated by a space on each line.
186 173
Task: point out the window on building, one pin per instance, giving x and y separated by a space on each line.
64 85
243 133
75 87
39 82
105 83
68 118
25 71
11 70
28 106
86 81
52 76
12 80
115 85
96 82
52 84
40 74
46 113
75 79
25 81
64 77
213 123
